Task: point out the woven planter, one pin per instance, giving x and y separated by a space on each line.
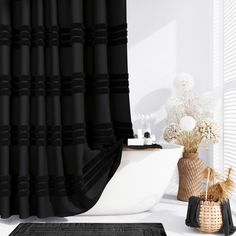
191 169
210 212
210 217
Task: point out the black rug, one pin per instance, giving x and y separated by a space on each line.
89 229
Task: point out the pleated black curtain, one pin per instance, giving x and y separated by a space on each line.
64 103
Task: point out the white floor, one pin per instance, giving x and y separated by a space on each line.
170 212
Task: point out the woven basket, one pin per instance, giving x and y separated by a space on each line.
191 169
210 215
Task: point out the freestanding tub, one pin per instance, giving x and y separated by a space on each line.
139 182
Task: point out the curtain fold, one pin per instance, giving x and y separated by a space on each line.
64 103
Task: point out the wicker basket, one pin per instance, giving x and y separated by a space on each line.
190 169
210 215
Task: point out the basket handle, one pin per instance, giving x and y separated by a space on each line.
207 183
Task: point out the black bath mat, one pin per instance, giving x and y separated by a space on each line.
89 229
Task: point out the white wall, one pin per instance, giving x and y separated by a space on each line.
167 37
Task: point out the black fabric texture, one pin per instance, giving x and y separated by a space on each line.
89 229
229 227
193 215
64 103
193 212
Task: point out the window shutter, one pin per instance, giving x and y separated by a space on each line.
229 89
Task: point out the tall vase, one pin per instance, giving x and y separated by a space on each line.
191 169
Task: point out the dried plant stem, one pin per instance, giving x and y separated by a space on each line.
221 190
190 140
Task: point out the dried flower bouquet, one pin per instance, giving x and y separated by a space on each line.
205 132
189 118
190 124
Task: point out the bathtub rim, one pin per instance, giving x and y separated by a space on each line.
165 147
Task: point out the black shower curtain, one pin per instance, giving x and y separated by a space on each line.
64 103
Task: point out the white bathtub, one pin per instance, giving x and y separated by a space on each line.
139 182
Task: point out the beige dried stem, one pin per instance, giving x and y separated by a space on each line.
190 140
213 174
221 191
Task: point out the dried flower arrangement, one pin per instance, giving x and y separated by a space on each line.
214 208
205 132
189 118
221 189
190 124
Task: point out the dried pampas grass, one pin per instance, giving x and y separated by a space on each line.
213 175
190 140
221 190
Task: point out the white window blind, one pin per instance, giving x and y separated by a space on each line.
229 69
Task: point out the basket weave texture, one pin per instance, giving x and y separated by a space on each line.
191 169
210 213
210 217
